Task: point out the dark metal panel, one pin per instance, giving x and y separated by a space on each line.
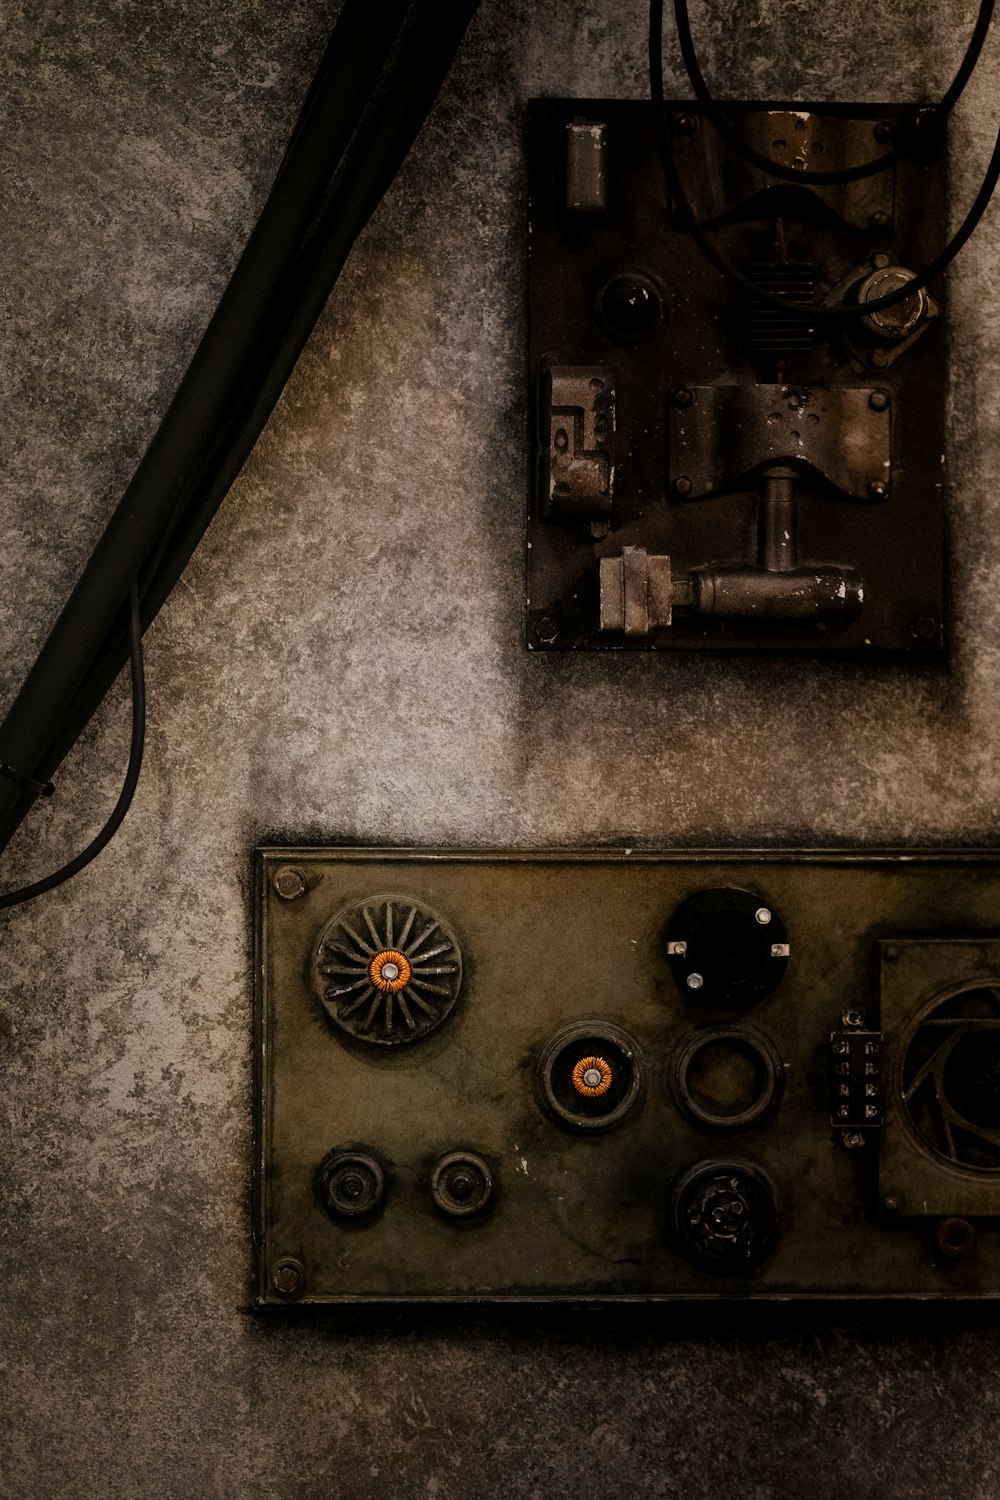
625 292
584 945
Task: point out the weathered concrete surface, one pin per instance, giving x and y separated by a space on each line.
343 660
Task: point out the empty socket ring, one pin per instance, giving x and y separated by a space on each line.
726 1077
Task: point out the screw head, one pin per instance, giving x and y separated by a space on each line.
878 489
682 485
853 1139
546 630
852 1018
883 131
289 882
288 1277
762 916
682 397
924 628
880 221
890 1204
685 124
695 981
878 400
890 953
880 358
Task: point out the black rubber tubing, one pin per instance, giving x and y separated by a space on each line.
362 39
371 167
932 122
688 219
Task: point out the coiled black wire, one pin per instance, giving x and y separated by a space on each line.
932 121
689 221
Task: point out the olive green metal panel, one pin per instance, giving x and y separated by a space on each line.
551 941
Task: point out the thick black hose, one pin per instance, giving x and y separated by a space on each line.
362 39
371 167
932 121
121 807
687 219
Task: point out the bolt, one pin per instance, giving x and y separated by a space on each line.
884 130
924 628
852 1018
352 1186
682 396
592 1078
762 915
682 485
289 882
852 1139
287 1278
878 400
880 358
686 124
694 981
880 262
891 953
546 630
880 221
878 489
891 1205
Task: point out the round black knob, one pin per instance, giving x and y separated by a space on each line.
462 1184
630 306
723 1215
351 1183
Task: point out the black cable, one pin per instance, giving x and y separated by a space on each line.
362 40
931 122
121 807
372 164
687 219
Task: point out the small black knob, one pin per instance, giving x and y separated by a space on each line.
351 1183
462 1184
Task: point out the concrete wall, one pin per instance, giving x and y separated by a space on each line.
343 659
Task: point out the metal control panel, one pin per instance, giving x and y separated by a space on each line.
710 471
626 1075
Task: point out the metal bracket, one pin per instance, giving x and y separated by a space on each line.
578 412
720 435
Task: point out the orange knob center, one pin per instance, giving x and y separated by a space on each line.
592 1077
390 970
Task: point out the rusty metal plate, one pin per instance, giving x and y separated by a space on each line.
645 365
626 1075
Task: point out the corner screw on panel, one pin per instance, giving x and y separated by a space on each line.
681 397
924 628
289 882
682 485
878 400
288 1278
546 630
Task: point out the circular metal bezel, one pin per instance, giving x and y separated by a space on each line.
581 1039
391 1014
695 939
460 1208
746 1037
